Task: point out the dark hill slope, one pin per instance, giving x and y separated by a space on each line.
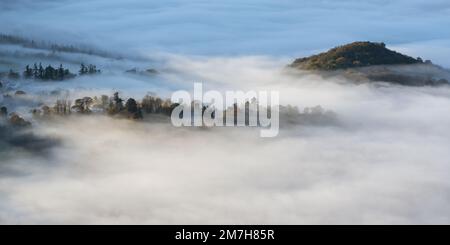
373 62
357 54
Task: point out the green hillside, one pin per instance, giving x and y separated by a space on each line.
357 54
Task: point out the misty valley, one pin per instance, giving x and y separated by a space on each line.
92 132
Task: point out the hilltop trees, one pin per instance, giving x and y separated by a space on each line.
154 108
62 107
16 121
28 73
104 101
357 54
151 104
83 105
132 109
156 105
112 106
115 104
38 72
88 70
50 73
47 73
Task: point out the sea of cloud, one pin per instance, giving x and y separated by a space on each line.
386 162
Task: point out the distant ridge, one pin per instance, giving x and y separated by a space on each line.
353 55
29 43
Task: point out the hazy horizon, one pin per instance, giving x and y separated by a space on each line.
235 28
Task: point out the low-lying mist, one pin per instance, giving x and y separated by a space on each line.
386 162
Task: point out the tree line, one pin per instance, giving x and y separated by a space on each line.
17 40
37 71
131 108
47 73
113 106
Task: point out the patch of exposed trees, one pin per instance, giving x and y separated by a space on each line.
88 69
47 73
13 119
130 108
50 73
113 106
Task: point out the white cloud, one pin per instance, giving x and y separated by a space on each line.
386 163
